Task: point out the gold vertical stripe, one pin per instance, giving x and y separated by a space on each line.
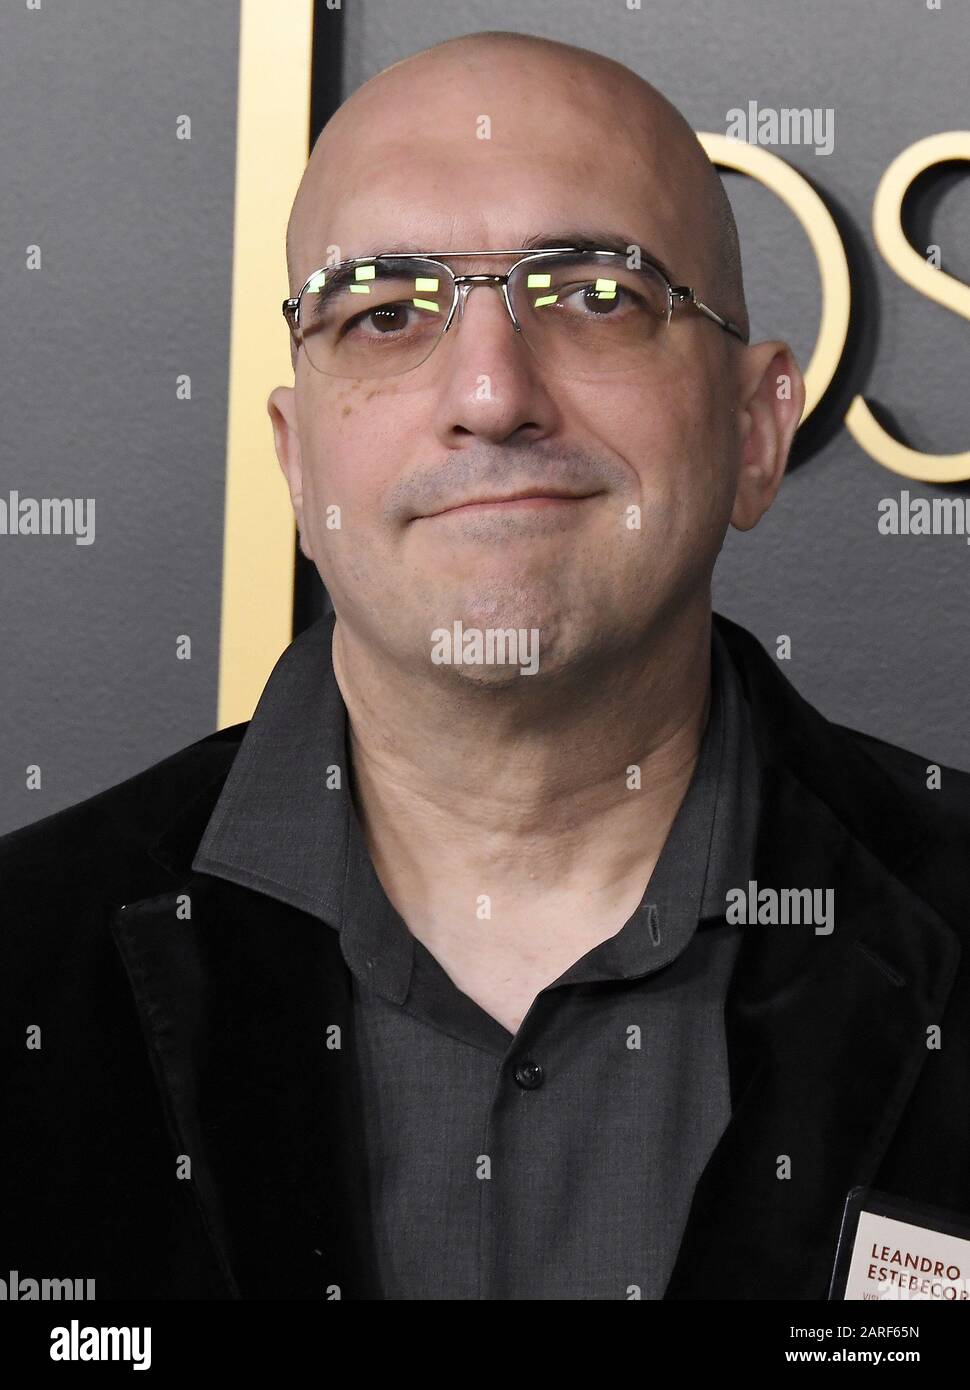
272 132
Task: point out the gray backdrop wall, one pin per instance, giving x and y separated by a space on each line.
93 175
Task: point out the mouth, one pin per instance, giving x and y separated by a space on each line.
528 498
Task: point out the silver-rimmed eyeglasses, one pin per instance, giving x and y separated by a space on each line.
585 312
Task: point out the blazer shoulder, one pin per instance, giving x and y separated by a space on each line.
918 775
120 822
848 766
934 799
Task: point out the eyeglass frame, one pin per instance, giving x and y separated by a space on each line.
676 294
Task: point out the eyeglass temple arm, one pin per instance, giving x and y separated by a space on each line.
683 294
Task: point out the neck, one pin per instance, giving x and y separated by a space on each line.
462 791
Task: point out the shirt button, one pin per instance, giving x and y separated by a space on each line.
528 1075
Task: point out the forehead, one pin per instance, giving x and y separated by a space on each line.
438 194
478 151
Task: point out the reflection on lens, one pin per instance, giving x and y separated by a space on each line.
585 313
377 319
589 313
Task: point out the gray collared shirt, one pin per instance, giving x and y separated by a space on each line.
557 1163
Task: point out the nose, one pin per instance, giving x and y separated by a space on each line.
489 383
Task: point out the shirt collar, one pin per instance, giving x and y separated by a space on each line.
285 825
281 824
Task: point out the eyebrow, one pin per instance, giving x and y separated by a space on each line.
592 240
585 240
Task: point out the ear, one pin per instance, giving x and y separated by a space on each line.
281 408
770 404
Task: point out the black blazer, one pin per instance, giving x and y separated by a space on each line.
163 1037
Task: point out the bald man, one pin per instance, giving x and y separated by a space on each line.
535 939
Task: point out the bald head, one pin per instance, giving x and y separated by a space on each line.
551 106
439 474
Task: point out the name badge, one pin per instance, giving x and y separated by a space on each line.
890 1248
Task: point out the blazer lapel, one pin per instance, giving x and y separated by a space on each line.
246 1011
826 1034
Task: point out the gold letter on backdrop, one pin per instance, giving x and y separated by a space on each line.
833 268
817 222
910 266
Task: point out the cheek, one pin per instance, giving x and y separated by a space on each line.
685 419
344 450
661 423
670 428
334 414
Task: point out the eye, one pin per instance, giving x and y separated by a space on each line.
600 302
386 318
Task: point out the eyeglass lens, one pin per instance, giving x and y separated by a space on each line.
587 313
